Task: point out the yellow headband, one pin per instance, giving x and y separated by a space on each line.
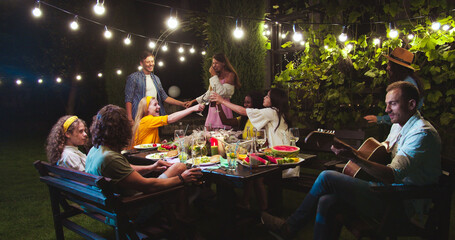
148 101
68 123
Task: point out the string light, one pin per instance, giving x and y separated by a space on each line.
181 50
238 32
100 75
343 36
283 35
40 81
302 43
349 47
164 48
139 68
78 77
74 25
435 26
203 53
393 33
297 36
99 8
58 80
36 10
107 33
410 36
445 27
160 63
152 44
182 58
127 40
172 22
18 82
192 50
376 41
119 72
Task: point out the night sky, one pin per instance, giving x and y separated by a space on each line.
46 48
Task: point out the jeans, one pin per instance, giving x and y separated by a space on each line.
334 193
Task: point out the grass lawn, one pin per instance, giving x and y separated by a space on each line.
25 204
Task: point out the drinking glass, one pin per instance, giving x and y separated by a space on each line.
294 136
261 138
231 153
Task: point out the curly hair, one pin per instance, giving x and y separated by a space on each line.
56 138
111 128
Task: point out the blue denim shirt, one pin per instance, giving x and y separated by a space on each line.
135 91
385 119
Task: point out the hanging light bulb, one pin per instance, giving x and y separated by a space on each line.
302 43
283 35
181 50
139 68
238 32
297 37
376 41
435 26
40 81
127 40
119 72
164 48
393 33
445 27
58 80
349 47
152 44
99 8
182 59
100 75
203 53
36 10
160 63
172 22
410 36
74 25
107 33
192 50
343 36
78 77
18 82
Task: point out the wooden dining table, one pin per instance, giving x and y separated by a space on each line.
227 180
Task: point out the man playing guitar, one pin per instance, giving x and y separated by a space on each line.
415 150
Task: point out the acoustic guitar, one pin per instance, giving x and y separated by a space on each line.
371 150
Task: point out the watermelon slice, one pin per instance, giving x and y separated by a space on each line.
256 157
285 151
272 159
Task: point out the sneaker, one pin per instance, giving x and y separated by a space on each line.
278 226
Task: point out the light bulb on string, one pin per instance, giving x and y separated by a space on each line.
192 50
445 27
18 82
376 41
152 44
203 53
393 33
119 72
349 47
182 59
343 36
36 10
78 77
58 80
107 33
164 48
99 8
139 68
40 81
127 40
172 22
100 75
410 36
181 50
435 26
160 63
283 35
74 25
297 37
302 43
238 32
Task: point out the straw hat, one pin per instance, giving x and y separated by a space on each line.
401 56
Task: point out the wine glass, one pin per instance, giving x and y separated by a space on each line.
294 136
261 137
204 101
199 140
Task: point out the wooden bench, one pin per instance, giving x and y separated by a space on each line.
78 193
311 170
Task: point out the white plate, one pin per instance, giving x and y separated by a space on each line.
190 161
147 146
156 156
